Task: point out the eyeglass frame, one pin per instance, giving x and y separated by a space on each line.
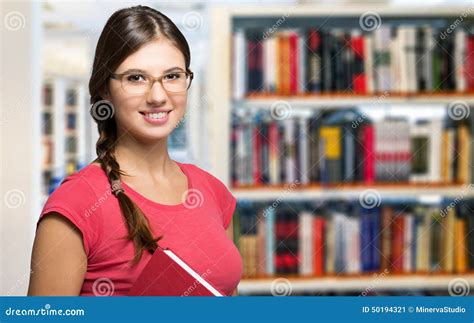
119 77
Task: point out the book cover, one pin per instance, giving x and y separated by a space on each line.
166 274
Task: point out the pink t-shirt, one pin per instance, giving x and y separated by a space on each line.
194 229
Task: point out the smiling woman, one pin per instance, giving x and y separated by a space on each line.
101 226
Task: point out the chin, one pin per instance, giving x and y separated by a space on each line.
152 136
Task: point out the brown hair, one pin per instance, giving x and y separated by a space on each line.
124 33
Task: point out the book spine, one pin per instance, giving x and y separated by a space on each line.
398 244
270 241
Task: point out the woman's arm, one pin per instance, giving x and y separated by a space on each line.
58 260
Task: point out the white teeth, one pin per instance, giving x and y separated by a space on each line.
158 115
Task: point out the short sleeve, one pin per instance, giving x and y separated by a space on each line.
75 200
225 199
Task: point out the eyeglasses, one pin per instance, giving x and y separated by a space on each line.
137 83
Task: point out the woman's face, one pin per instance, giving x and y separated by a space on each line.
137 114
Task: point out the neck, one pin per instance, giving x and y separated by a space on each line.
142 158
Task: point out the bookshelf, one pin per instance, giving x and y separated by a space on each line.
222 103
65 130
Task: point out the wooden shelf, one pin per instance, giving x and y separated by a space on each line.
337 95
344 190
342 100
359 283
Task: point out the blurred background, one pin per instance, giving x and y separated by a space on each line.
344 128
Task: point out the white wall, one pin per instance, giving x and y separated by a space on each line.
20 98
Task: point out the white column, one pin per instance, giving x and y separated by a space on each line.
219 94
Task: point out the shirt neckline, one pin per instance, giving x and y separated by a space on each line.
142 199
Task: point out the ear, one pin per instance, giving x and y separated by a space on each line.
105 94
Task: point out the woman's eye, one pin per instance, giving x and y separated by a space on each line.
136 78
172 76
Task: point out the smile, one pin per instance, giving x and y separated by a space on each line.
156 118
155 115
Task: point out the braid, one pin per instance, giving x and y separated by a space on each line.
137 224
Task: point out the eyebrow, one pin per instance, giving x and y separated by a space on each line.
175 68
137 70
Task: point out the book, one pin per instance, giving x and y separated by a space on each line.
392 149
305 243
330 137
463 152
367 143
318 244
460 59
448 239
460 257
382 38
314 62
359 78
168 275
471 127
261 242
426 140
254 71
466 213
469 63
386 237
240 63
270 241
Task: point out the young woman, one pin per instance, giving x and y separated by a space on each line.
100 227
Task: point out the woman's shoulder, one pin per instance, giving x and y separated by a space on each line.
80 187
201 176
198 172
91 175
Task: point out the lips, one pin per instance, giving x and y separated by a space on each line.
156 118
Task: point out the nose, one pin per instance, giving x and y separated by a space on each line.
157 94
